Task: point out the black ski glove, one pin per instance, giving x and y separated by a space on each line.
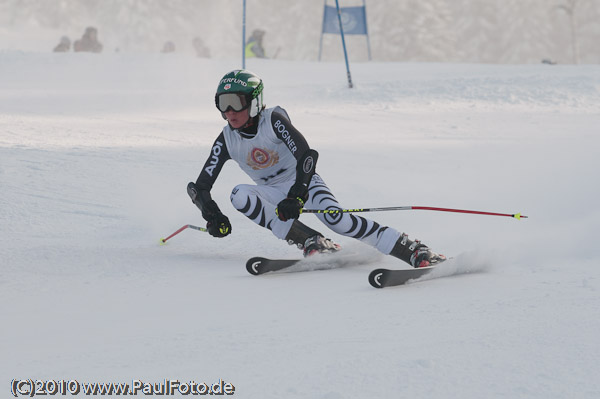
291 207
217 224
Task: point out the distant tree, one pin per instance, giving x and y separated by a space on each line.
414 30
434 32
584 28
526 31
48 14
587 17
514 31
569 8
479 30
148 22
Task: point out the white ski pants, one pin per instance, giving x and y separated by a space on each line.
258 203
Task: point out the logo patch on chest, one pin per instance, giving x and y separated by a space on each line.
260 158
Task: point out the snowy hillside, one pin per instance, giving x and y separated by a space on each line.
95 156
488 31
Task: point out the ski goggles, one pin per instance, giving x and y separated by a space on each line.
235 101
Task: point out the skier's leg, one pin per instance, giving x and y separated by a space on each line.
387 240
258 203
370 232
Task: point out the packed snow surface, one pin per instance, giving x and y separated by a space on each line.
95 155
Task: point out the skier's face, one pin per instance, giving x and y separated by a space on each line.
237 119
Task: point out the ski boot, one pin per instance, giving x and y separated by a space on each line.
309 241
414 253
319 245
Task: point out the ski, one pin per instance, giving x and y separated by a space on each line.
259 265
381 278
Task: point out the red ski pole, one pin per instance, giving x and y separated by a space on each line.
409 208
164 240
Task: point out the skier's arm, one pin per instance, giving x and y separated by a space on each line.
306 159
305 156
286 132
218 224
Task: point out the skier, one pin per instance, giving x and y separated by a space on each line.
277 157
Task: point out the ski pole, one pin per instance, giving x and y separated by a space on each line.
164 240
409 208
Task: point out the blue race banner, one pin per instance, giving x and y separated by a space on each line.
354 20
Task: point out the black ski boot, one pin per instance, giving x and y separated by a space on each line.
310 241
319 245
415 253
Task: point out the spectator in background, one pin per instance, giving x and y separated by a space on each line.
201 49
89 42
254 47
63 46
169 47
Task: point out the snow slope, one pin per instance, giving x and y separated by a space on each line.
95 155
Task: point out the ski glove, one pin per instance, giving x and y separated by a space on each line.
289 208
218 225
